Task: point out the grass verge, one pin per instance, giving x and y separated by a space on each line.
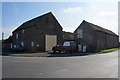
109 50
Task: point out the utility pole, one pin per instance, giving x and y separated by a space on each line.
2 36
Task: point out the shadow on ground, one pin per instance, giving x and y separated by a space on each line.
67 54
43 54
6 53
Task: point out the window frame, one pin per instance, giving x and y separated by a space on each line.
22 44
32 44
16 35
80 33
23 31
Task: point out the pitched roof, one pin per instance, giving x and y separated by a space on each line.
98 28
33 21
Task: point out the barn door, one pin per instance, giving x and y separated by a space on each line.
50 41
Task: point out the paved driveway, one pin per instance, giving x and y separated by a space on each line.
89 66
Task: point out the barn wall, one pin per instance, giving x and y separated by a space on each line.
95 40
105 41
101 40
88 39
27 37
36 33
112 41
6 46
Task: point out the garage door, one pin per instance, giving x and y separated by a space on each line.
50 41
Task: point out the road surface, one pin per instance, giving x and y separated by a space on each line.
89 66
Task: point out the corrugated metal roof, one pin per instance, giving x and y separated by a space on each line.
98 28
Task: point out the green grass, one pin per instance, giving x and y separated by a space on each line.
109 50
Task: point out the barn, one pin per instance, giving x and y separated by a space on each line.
94 37
38 34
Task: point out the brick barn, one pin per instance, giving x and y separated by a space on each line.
94 37
38 34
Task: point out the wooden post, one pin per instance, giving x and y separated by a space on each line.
2 36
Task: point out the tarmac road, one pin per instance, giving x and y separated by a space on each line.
88 66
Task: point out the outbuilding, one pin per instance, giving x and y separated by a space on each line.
94 37
38 34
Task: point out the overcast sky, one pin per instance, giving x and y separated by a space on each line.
69 14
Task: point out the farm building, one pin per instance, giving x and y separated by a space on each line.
38 34
94 37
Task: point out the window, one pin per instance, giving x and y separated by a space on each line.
16 36
72 44
79 33
22 31
22 44
66 44
11 45
32 44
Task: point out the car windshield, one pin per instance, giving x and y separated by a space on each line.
66 44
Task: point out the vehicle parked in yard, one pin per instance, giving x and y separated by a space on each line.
65 47
17 48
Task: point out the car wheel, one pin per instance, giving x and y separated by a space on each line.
54 51
59 51
64 51
71 51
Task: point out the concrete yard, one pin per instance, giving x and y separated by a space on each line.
89 66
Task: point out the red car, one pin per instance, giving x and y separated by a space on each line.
65 47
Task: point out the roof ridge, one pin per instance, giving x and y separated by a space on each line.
29 21
38 17
99 28
96 25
